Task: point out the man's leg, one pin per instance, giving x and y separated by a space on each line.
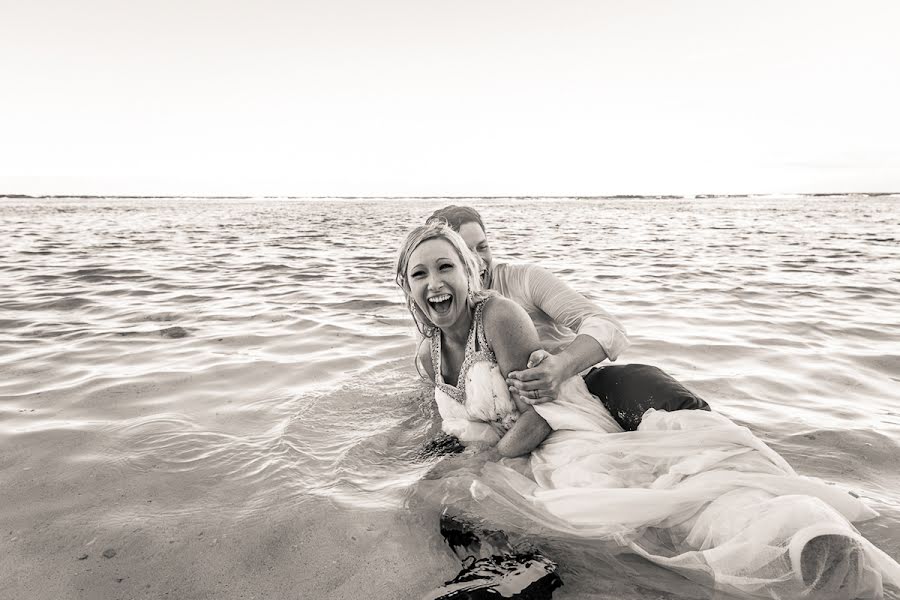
628 391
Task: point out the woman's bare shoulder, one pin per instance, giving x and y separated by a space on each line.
503 311
507 322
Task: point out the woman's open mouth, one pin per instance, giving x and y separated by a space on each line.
441 303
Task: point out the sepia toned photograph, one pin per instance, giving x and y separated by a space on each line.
575 300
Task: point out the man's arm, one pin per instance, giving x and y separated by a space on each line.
600 336
567 307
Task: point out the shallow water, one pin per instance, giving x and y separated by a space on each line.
253 358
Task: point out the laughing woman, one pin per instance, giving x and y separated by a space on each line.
689 490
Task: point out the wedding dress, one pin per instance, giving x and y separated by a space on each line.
689 490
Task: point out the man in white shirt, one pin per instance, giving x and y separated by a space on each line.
576 335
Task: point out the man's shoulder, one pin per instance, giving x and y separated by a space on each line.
516 274
517 267
522 282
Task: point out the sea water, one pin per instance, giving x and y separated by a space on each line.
222 392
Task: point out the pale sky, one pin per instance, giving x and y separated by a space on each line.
369 97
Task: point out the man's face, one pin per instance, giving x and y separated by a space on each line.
477 242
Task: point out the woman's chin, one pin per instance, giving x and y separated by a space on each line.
446 319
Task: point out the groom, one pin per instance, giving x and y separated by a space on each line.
575 333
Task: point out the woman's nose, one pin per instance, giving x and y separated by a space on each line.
434 281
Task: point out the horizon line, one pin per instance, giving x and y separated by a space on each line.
446 197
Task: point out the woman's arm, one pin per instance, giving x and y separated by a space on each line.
525 435
423 359
512 336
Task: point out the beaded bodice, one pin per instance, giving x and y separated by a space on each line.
477 349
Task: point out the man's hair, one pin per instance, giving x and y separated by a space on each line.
456 216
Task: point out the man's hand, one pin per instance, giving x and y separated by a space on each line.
540 382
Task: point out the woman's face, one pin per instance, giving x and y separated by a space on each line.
437 281
477 242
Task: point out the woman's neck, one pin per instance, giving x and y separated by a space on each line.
458 332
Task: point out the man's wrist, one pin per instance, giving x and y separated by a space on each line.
569 362
583 353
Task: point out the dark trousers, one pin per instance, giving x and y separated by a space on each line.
628 391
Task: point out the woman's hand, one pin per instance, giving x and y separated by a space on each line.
530 430
483 452
541 381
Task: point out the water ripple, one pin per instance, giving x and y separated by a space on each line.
287 375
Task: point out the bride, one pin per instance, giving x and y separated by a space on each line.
689 490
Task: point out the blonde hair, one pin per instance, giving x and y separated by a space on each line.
438 229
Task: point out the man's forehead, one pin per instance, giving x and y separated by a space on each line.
472 232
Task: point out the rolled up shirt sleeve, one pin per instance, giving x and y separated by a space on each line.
567 307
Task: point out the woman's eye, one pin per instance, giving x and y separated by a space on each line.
417 274
482 247
446 266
